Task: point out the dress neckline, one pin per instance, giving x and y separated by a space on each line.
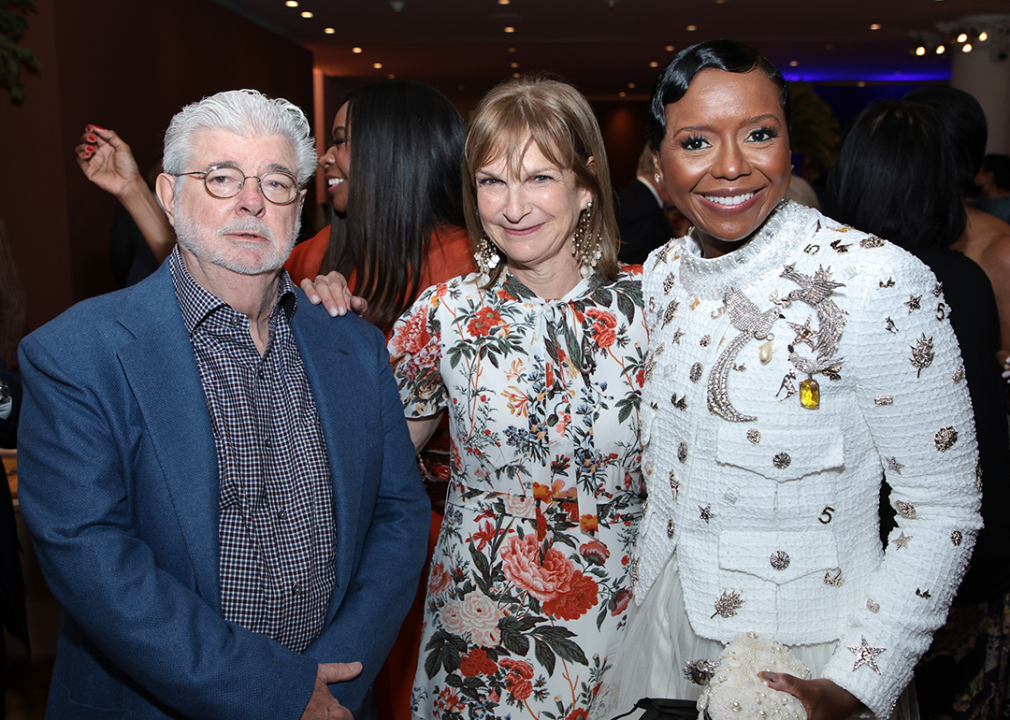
711 278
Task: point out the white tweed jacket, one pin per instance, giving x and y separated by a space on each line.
772 506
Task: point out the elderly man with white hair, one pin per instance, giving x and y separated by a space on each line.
218 477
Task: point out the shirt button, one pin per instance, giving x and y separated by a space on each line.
235 321
281 515
260 373
296 590
268 443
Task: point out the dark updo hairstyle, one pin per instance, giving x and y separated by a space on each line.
725 55
894 177
999 166
405 180
966 126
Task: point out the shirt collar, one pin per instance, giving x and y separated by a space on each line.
197 303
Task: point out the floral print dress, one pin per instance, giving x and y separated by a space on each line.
531 576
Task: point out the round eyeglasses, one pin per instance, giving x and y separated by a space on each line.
280 188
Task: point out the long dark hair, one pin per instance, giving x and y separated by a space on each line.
406 143
895 177
676 77
964 120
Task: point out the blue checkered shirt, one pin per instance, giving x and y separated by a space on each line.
276 531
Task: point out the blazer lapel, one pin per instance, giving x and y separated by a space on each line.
335 391
161 370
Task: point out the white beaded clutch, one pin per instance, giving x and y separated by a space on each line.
734 690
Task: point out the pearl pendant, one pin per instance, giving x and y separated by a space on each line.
765 353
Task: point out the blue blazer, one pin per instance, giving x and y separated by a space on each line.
119 485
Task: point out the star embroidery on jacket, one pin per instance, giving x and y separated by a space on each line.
706 512
866 655
677 336
901 541
894 466
913 303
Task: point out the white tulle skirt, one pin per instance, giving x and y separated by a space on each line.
659 641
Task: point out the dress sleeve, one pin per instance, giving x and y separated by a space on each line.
912 396
415 350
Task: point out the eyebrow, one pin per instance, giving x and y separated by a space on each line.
749 121
272 167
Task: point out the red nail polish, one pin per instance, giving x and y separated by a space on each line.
90 149
90 128
92 138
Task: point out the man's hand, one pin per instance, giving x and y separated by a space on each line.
822 699
332 291
322 705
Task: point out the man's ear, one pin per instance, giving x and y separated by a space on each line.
164 188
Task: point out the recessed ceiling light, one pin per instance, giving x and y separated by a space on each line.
512 49
962 37
940 49
966 47
329 31
622 94
356 51
514 65
920 51
510 29
983 36
377 66
669 48
860 84
391 76
292 3
504 2
306 14
794 63
875 26
515 75
692 28
654 64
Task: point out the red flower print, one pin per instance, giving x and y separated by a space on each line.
541 524
543 579
576 602
441 289
476 663
521 667
487 320
505 295
589 523
439 580
484 535
621 601
578 714
412 336
640 378
520 688
625 560
543 493
594 552
602 317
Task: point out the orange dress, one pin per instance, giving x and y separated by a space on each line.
449 255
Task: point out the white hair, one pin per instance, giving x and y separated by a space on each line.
249 113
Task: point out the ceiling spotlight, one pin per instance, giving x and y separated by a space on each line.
292 3
515 75
962 37
654 64
377 66
983 36
692 28
306 14
329 31
794 63
966 47
622 94
391 76
356 51
504 2
920 51
669 48
875 26
510 29
514 65
512 49
631 86
860 84
940 49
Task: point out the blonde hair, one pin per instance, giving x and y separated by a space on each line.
555 116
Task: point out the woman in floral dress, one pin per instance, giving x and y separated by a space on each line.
539 361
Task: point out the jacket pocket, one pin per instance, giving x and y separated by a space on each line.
778 557
780 454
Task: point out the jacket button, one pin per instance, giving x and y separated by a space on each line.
779 560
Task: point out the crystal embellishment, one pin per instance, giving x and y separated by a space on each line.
866 655
810 394
728 603
781 460
706 512
872 605
906 510
956 537
913 303
883 400
700 671
754 436
682 452
893 465
779 560
922 354
945 438
871 242
902 541
696 371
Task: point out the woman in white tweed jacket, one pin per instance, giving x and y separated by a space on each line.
793 362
